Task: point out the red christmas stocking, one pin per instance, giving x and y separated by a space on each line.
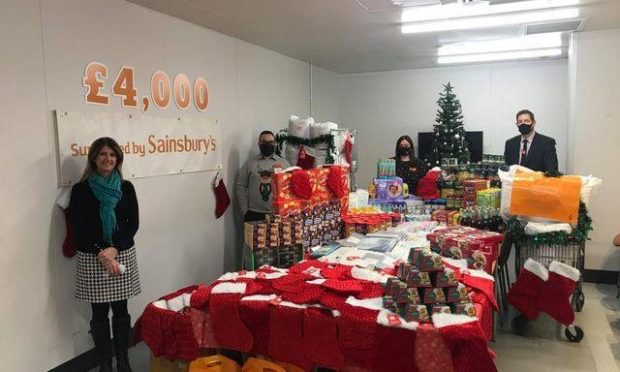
304 160
136 336
262 288
286 340
255 316
68 247
357 335
555 294
203 328
343 286
151 328
336 272
370 290
222 199
348 149
336 181
290 282
431 353
524 293
310 267
463 336
200 297
229 330
187 346
332 301
169 343
396 345
300 184
484 285
321 339
157 323
307 294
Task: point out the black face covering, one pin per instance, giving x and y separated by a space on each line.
404 151
525 129
267 149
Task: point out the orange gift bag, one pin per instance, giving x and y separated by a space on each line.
552 198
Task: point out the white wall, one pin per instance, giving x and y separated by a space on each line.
594 133
45 46
325 95
383 106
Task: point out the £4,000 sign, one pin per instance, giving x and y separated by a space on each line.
152 145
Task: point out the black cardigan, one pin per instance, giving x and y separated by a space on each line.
411 178
86 223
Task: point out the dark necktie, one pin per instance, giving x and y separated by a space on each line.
523 153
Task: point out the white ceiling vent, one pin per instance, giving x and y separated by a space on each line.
495 2
553 27
408 3
385 5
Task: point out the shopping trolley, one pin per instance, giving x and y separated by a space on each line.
572 254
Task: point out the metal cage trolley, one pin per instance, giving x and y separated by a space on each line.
571 254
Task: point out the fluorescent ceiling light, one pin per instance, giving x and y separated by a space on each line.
504 56
538 41
492 21
457 10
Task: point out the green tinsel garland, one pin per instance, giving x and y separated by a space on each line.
578 235
310 142
553 173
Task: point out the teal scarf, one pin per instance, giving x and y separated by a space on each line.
108 191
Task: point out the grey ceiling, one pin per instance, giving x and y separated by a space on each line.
344 36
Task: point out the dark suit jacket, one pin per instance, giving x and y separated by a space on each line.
541 155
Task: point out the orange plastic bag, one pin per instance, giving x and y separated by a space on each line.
261 365
552 198
214 363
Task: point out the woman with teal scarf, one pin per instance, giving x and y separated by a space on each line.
104 216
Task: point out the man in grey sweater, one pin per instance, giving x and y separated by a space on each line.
254 187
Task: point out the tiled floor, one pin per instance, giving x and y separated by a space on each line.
540 351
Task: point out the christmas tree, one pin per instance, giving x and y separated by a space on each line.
448 131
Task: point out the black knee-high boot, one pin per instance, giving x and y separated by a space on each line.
122 341
100 331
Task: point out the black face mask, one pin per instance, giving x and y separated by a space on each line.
525 129
404 151
267 149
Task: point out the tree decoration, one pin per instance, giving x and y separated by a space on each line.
449 131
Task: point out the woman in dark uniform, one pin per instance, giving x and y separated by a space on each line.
408 167
104 216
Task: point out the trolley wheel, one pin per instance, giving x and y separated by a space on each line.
576 337
579 301
519 325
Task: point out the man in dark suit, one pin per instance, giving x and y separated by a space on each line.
531 149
